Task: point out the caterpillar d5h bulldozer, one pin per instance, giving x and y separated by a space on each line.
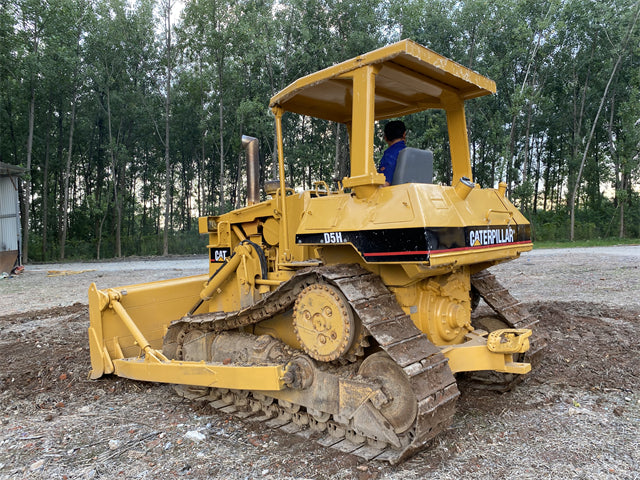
341 315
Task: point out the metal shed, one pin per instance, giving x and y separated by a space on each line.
10 231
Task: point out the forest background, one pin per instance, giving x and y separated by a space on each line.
128 115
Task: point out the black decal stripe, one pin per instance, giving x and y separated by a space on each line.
417 244
387 254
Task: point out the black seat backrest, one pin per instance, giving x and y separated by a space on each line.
413 166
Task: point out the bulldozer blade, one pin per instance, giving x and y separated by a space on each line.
151 306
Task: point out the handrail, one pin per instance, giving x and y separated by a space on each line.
492 210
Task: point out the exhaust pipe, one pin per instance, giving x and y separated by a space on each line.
250 144
464 187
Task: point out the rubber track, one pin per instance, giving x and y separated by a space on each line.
433 384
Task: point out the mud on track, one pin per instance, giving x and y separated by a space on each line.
576 416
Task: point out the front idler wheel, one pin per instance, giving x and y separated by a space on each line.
401 408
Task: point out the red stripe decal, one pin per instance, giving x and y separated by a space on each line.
435 252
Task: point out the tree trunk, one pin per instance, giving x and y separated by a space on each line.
45 193
104 217
67 173
622 202
512 148
114 172
167 159
221 126
202 184
618 170
27 186
221 129
524 201
239 184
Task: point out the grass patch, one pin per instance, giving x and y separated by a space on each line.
594 242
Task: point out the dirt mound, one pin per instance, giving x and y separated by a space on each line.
44 351
591 345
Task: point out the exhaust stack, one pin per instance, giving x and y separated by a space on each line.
250 144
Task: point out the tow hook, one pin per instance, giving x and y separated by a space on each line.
509 340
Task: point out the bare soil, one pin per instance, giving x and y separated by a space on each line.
576 416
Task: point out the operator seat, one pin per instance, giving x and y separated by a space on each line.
413 166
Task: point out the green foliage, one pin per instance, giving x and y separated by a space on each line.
550 59
598 242
601 222
180 243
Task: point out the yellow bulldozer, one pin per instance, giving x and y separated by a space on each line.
344 315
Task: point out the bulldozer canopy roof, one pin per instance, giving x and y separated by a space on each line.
411 78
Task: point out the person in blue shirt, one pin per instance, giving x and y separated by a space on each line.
395 135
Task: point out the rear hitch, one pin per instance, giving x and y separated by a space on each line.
509 340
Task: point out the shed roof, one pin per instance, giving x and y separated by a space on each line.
7 169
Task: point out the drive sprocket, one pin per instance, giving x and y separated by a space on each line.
324 322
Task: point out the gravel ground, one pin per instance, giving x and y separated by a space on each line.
44 286
605 275
576 416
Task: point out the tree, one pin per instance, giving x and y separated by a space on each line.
129 129
167 111
76 13
208 29
32 15
614 71
121 48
